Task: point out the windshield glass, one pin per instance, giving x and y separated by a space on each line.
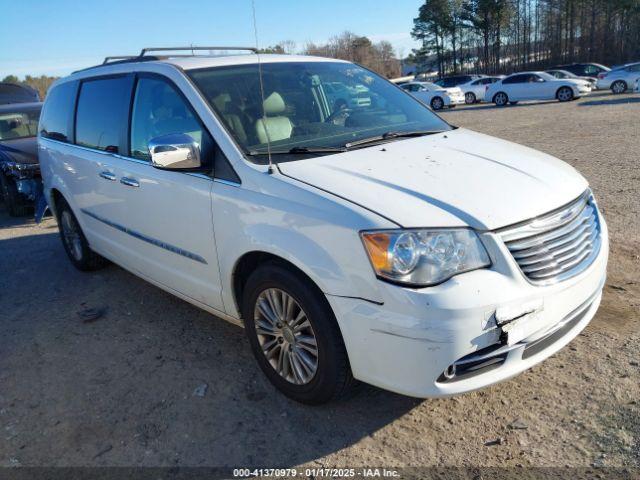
309 105
18 124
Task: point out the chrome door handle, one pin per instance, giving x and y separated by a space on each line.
108 176
129 182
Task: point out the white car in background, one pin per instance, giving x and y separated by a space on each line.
475 89
620 79
435 96
535 86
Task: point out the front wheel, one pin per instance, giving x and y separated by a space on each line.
618 87
294 336
469 98
565 94
500 99
437 103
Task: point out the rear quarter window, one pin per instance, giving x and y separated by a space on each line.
57 114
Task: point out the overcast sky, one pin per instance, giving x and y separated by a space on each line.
55 37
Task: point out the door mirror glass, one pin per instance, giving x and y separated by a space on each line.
175 151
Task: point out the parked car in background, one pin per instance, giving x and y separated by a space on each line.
14 93
19 168
621 79
535 86
435 96
384 245
342 96
455 80
592 70
565 74
474 90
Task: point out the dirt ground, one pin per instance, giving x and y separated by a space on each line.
129 388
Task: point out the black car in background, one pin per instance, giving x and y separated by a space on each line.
20 181
14 93
456 80
591 70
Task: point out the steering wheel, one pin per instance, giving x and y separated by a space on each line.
340 114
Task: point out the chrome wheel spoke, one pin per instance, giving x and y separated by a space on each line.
286 336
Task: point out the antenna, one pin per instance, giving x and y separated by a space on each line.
264 111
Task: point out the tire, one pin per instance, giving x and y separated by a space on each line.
619 86
17 204
74 241
470 98
564 94
501 99
331 379
437 103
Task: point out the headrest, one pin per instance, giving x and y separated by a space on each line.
221 101
274 104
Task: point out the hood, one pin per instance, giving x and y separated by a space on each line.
20 150
453 179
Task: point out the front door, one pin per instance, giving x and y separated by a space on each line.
168 214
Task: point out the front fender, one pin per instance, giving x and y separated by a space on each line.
314 233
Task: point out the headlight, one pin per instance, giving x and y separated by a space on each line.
424 257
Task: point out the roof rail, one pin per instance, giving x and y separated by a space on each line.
118 57
169 49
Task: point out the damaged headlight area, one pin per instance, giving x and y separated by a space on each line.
424 257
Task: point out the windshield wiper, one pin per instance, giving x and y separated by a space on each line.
390 135
296 150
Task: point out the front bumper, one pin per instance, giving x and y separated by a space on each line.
407 343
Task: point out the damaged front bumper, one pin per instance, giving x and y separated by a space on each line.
477 329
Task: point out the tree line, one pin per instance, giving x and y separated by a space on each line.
379 57
501 36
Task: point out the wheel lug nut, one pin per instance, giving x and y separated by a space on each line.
280 340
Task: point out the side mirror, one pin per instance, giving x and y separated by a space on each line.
176 151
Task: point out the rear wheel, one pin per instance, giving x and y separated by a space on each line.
74 241
437 103
619 86
17 204
470 98
294 336
564 94
500 99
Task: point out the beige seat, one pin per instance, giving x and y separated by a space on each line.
222 102
274 123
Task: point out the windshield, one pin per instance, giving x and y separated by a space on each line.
309 106
18 124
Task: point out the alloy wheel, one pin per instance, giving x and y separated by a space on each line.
437 103
469 98
71 235
619 87
565 94
501 99
286 336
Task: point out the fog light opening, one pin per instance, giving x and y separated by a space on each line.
450 372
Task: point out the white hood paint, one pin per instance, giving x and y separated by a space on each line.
457 178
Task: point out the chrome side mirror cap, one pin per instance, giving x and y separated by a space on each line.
176 151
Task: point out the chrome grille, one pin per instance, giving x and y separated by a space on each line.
559 245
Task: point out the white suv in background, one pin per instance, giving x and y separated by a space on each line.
377 244
620 79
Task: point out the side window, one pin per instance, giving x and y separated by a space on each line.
514 79
102 112
55 120
158 109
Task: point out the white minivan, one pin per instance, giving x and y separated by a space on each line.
377 243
